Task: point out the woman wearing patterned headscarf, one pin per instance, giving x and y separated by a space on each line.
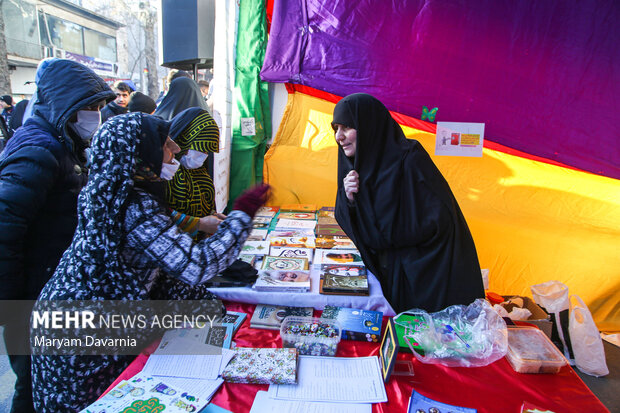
190 191
126 247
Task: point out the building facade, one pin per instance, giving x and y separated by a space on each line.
35 30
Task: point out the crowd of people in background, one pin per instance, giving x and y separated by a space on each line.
86 168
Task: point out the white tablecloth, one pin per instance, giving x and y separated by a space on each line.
375 301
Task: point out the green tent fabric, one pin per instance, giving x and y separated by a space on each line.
251 113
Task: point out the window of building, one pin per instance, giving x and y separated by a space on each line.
99 45
20 28
75 38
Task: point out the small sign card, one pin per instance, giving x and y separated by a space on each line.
459 139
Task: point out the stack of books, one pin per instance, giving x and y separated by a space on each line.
270 316
283 281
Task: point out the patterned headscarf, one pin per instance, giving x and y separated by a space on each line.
191 190
124 146
194 128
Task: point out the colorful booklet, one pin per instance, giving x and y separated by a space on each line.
291 233
270 316
234 318
258 234
419 403
362 325
249 258
305 224
292 242
297 215
332 242
327 221
262 366
350 257
287 252
266 211
255 247
330 229
284 281
327 212
298 208
282 263
347 285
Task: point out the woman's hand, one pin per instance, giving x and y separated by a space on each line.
351 184
209 224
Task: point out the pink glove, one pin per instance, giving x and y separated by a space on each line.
252 199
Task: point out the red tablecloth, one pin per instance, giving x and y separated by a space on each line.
490 389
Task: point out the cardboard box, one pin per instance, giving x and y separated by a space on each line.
539 317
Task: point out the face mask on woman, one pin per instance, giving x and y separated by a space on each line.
193 159
88 121
169 169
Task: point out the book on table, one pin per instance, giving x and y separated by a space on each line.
266 211
340 256
234 318
297 215
270 316
284 263
283 281
334 242
262 366
302 224
255 247
287 252
292 242
419 403
298 208
356 324
341 279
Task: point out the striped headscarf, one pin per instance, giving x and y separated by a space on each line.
191 191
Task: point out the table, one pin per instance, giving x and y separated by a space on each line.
490 389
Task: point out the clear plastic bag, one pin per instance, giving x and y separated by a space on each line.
458 336
586 339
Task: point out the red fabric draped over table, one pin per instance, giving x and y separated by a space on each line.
490 389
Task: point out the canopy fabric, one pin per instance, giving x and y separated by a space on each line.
544 77
251 114
531 221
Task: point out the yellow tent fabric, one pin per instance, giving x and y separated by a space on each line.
531 221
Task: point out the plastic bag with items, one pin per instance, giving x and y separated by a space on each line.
458 336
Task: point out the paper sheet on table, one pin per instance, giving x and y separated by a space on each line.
188 366
335 379
264 404
200 389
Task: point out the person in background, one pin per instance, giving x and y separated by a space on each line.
191 191
173 74
6 104
126 247
183 93
139 102
398 209
42 170
17 117
119 105
204 88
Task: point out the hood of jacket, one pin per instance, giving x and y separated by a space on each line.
66 87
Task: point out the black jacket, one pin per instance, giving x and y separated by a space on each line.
42 170
112 109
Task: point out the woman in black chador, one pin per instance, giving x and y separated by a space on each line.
396 206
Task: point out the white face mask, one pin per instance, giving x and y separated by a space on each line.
169 169
193 159
88 121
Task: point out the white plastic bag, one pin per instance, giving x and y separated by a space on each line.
553 297
586 339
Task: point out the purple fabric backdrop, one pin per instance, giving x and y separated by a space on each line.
544 76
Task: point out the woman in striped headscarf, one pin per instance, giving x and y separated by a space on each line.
191 190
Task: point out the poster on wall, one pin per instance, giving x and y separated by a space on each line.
459 139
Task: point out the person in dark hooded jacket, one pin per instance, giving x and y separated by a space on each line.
42 170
